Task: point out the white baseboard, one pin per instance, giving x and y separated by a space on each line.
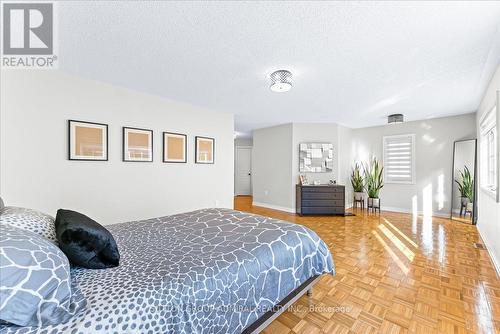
487 244
348 206
283 208
274 207
420 213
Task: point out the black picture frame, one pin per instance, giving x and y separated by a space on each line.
124 159
196 150
70 157
185 147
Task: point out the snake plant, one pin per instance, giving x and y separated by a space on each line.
374 180
357 179
466 184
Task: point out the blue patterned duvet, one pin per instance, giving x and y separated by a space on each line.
207 271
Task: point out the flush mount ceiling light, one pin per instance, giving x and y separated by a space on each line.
395 118
281 81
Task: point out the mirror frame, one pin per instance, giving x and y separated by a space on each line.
474 208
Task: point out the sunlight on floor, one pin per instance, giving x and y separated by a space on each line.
414 217
427 233
400 233
389 250
485 318
441 244
398 243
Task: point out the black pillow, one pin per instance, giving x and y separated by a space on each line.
85 242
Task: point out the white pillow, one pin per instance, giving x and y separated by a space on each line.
29 220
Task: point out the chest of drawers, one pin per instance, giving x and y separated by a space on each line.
320 200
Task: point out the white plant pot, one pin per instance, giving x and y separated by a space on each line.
464 201
470 206
359 196
374 202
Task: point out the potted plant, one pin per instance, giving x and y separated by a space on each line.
357 183
374 181
466 188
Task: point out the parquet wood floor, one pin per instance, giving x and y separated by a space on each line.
395 274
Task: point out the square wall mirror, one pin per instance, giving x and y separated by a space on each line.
316 157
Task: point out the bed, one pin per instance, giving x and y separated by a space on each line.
206 271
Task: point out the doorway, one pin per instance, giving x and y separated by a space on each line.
243 170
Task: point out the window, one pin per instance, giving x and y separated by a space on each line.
399 159
488 158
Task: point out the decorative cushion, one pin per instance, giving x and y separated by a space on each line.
36 285
85 242
29 220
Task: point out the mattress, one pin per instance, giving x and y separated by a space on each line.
207 271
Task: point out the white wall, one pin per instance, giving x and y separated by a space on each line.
285 140
346 161
271 167
488 208
434 154
35 171
243 142
319 133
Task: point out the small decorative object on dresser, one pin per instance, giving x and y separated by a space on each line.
320 200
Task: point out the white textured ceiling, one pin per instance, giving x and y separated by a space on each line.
353 62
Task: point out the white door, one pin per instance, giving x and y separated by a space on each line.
243 171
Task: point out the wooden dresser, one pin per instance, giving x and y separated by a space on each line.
320 200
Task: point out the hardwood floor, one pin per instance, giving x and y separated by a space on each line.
395 274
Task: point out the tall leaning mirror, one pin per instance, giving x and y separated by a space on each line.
463 206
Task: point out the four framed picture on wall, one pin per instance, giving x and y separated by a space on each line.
87 141
137 144
174 147
204 150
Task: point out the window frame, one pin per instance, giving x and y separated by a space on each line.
488 126
413 159
491 138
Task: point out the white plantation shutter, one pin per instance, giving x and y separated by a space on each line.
488 151
399 159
